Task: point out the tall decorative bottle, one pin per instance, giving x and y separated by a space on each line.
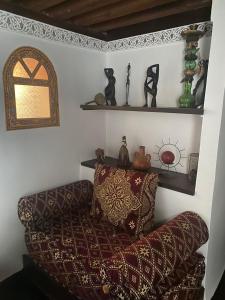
192 36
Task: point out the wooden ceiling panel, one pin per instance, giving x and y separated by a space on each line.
7 5
73 8
112 19
151 14
181 19
39 5
117 10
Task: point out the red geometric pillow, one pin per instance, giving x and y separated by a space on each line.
126 198
147 264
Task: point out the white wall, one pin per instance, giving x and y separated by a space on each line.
212 150
36 159
216 259
150 129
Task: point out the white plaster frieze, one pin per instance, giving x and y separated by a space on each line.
155 38
12 22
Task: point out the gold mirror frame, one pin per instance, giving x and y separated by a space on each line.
12 122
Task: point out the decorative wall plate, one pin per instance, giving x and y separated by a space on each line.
169 155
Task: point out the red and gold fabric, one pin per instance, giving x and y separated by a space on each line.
146 266
37 209
125 198
72 250
82 253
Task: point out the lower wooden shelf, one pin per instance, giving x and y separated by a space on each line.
174 110
170 180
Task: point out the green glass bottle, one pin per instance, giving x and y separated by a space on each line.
191 35
187 100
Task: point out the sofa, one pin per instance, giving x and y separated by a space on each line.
95 257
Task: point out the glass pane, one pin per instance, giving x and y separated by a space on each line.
41 74
32 101
19 71
31 63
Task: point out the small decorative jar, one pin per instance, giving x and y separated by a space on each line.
141 160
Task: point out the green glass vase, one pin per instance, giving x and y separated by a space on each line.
187 100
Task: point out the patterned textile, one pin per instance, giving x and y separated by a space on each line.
125 198
144 265
72 248
82 253
36 209
185 282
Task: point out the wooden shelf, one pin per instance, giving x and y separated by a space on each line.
175 110
171 180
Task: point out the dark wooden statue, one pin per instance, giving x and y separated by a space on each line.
150 85
128 84
200 88
110 88
124 160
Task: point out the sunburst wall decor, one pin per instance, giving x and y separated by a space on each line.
169 155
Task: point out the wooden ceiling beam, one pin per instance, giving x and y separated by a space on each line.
152 14
73 8
117 10
181 19
39 5
21 11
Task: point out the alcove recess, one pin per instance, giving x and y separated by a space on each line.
167 179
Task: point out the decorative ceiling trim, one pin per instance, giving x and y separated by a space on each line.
15 23
12 22
155 38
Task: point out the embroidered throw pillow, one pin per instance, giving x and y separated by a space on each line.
125 198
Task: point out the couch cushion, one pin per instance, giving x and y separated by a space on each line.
72 248
36 209
148 263
125 198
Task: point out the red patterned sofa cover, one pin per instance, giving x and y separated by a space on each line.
84 255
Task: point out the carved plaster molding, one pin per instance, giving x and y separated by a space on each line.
12 22
19 24
155 38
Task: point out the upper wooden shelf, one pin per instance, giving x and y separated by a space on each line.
168 179
175 110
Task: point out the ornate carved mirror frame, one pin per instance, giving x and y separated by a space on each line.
31 93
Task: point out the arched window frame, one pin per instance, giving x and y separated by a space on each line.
12 122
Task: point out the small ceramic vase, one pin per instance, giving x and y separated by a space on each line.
141 160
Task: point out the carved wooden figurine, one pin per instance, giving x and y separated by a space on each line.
110 88
200 88
150 85
100 155
124 160
128 84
